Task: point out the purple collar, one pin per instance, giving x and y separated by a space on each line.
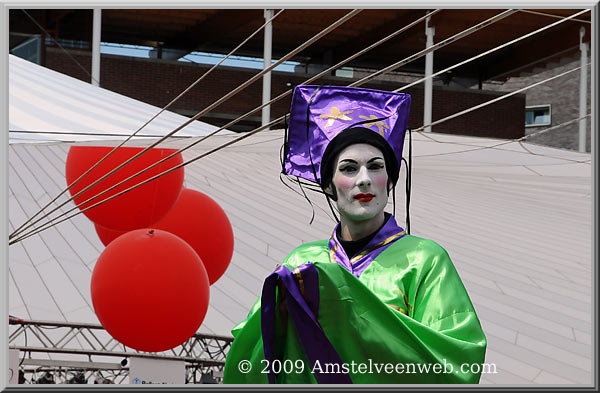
389 233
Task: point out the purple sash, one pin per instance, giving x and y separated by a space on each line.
302 301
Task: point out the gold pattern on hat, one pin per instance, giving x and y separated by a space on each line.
335 115
380 124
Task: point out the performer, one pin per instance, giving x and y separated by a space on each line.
372 304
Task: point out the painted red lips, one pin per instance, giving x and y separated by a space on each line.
364 197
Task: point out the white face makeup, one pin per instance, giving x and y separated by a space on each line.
361 180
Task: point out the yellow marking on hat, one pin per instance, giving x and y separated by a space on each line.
380 124
335 115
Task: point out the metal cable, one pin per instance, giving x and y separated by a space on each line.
364 80
489 51
411 58
205 110
518 140
556 16
277 121
437 46
49 224
87 134
495 99
60 46
24 225
341 63
535 62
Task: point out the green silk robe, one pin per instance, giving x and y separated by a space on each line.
408 306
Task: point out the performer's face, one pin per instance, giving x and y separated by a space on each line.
360 179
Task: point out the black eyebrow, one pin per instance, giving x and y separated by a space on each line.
354 162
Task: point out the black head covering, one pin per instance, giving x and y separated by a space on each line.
352 136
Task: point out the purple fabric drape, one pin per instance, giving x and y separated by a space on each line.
302 300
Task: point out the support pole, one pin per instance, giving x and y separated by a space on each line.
97 28
583 47
266 93
427 106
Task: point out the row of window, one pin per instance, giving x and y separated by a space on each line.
535 116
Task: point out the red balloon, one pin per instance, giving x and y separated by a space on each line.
134 209
107 235
202 223
150 290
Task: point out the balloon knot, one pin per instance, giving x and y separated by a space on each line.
151 232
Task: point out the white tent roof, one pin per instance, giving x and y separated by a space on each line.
46 105
517 225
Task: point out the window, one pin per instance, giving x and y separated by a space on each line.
345 72
539 115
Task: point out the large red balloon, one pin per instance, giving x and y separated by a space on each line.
202 223
107 235
134 209
150 290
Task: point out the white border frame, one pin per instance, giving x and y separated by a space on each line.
329 4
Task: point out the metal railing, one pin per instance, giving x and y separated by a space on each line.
65 352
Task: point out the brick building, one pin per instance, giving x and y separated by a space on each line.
158 81
561 95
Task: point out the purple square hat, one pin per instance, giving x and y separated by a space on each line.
319 113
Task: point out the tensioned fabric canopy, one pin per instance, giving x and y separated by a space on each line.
517 224
46 105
